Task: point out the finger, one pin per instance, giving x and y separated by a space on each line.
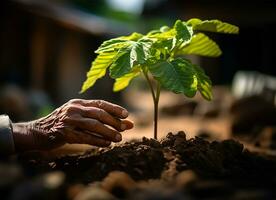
93 125
79 137
127 124
104 117
111 108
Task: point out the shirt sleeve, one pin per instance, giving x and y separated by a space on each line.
6 137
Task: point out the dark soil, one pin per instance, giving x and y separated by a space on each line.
194 168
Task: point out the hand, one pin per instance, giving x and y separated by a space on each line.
93 122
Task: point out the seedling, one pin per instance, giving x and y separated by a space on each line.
160 53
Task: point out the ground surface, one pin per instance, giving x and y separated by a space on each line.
216 151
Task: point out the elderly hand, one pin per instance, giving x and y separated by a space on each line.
93 122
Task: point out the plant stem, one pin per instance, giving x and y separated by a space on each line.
155 97
150 85
156 101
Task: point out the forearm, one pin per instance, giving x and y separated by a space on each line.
15 137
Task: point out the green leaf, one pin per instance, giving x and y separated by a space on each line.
213 26
133 37
164 28
98 69
117 43
204 83
177 76
122 82
183 32
201 45
166 35
112 45
158 31
137 53
167 38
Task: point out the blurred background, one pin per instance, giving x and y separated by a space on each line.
47 47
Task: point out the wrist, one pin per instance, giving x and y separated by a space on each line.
22 136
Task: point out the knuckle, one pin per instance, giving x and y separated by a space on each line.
95 124
100 103
100 114
69 109
84 110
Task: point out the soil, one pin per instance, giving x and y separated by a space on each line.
174 168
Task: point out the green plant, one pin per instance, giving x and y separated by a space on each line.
160 53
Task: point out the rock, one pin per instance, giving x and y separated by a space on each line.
118 183
53 180
185 177
94 193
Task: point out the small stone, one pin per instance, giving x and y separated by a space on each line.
94 193
185 177
118 183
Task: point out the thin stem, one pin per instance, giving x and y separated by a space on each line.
156 102
155 97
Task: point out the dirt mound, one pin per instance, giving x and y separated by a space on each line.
151 159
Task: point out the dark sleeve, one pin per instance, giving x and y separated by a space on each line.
6 137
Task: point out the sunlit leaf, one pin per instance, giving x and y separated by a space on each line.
204 83
213 26
122 82
98 69
166 35
158 31
112 45
136 53
133 37
201 45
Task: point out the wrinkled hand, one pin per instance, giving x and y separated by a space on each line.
93 122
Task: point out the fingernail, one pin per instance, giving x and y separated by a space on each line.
123 126
118 137
124 113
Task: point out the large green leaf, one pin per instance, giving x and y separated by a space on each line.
177 76
122 82
136 53
201 45
213 26
204 83
98 69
